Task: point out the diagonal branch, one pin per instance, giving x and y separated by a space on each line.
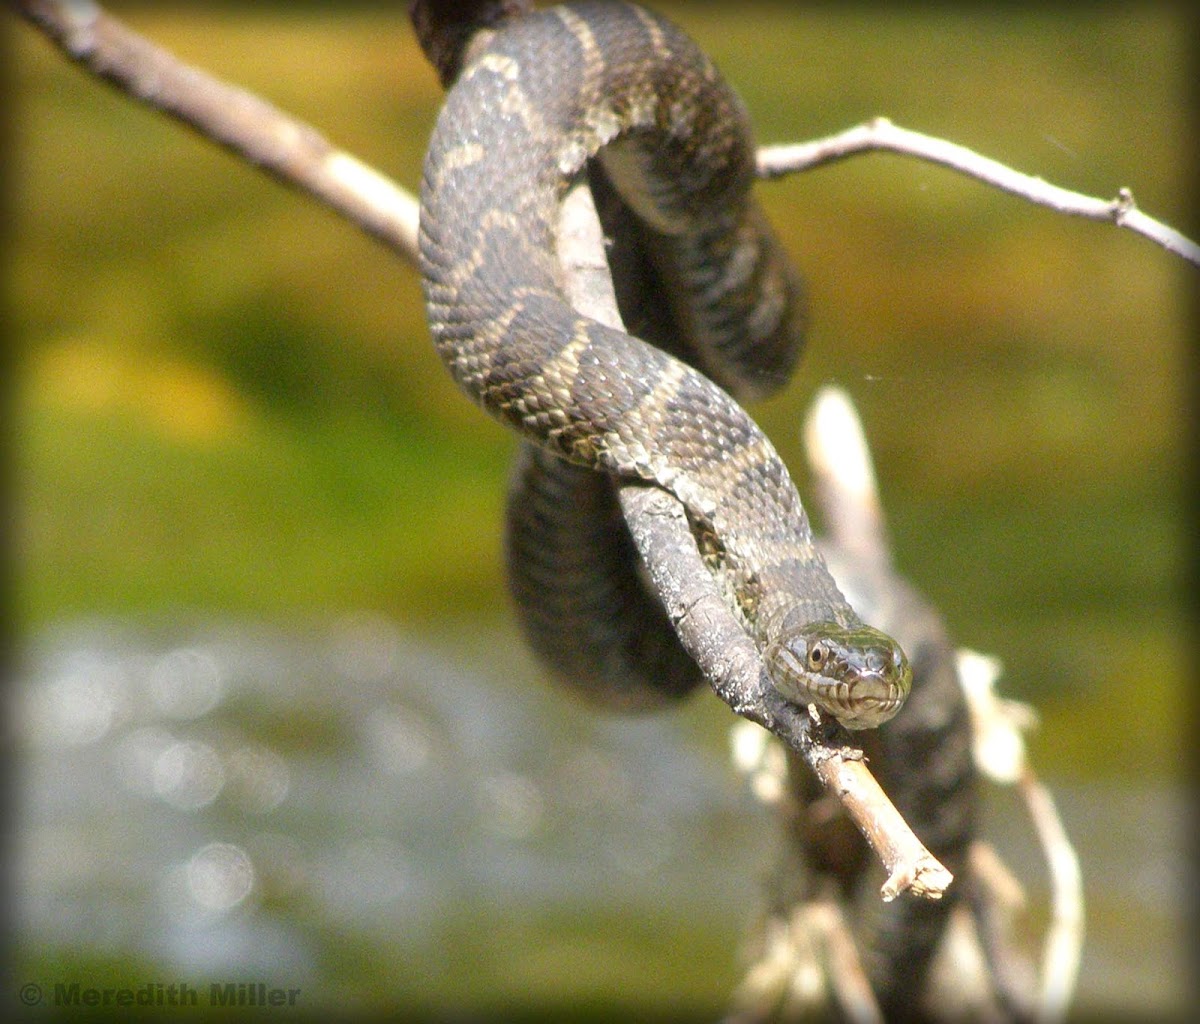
881 134
286 147
712 635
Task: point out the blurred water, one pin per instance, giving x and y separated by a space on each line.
235 801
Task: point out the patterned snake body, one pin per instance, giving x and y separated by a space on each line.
535 102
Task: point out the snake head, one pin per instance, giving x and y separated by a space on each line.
857 674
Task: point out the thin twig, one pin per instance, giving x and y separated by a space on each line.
847 977
1000 752
881 134
1064 937
911 867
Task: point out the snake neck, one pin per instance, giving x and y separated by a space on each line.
796 596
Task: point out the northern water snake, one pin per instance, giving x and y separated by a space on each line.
534 103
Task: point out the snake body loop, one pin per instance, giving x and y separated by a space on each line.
535 104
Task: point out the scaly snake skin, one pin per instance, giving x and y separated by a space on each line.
533 105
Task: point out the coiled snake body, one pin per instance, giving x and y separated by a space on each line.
535 102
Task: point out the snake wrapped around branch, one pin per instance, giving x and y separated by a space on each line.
609 90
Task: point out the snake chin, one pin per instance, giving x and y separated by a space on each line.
869 710
855 673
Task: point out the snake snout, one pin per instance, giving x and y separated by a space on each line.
876 686
872 698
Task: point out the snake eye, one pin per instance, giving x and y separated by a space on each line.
816 655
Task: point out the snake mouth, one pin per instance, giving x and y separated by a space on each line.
869 702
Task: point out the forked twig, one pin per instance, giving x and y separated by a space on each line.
999 726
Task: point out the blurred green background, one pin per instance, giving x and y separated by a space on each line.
226 403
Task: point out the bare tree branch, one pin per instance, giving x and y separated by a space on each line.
881 134
998 727
291 150
708 629
1064 938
